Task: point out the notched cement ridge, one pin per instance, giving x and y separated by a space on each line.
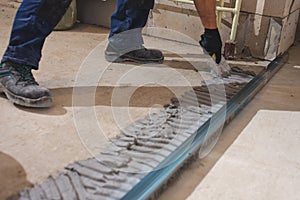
140 147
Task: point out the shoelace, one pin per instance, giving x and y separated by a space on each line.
3 72
25 74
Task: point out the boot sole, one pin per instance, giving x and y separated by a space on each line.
43 102
119 59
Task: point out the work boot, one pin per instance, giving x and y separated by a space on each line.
20 87
141 55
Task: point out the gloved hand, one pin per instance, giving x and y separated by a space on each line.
212 43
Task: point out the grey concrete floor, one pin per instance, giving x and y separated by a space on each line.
37 143
29 152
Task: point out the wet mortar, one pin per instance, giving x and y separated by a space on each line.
141 146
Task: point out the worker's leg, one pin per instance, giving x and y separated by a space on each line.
129 16
126 27
125 36
34 21
211 39
127 24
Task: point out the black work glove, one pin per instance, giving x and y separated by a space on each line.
140 4
212 43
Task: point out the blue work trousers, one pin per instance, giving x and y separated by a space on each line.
126 25
36 19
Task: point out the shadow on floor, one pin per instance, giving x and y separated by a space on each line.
12 176
146 96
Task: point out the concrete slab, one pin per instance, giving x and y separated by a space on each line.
262 163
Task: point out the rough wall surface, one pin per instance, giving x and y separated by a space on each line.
178 17
298 30
272 8
267 28
95 11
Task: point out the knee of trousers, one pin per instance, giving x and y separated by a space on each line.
140 4
53 10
